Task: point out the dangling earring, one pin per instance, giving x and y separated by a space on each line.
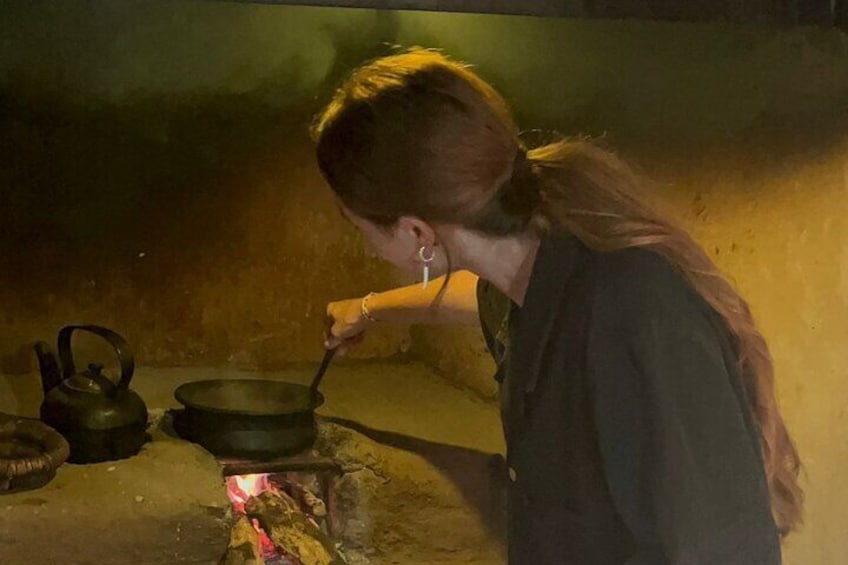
426 264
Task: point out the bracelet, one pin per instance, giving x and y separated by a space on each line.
363 308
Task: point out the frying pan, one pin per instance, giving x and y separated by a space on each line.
250 419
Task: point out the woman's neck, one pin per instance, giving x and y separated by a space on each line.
506 262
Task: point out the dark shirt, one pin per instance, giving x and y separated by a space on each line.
494 308
629 435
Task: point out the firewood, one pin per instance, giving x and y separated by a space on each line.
244 547
304 491
291 530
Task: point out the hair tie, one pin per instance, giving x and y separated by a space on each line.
521 166
523 178
515 202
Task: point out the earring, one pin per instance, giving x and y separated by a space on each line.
426 264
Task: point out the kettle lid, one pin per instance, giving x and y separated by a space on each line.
92 381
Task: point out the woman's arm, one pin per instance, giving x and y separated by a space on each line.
405 305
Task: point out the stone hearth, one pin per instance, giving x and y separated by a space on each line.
418 451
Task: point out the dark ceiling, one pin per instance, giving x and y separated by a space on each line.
780 12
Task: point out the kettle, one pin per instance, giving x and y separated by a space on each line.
102 420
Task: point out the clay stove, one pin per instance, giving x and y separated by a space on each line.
286 511
284 516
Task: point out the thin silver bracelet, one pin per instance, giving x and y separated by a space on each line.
363 308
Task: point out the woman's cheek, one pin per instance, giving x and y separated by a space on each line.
383 249
400 260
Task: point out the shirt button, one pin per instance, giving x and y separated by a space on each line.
513 476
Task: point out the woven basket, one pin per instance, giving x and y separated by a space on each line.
30 453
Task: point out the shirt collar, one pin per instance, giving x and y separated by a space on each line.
556 259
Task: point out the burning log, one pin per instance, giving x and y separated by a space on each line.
315 504
291 530
244 547
302 488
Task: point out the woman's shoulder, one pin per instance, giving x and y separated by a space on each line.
640 283
628 266
636 265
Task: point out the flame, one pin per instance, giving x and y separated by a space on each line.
241 487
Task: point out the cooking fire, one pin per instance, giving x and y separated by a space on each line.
288 513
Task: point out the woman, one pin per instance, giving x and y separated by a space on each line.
638 396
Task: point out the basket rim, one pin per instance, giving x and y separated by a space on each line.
54 448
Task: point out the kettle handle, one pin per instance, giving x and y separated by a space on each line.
118 343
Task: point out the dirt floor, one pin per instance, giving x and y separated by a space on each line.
431 491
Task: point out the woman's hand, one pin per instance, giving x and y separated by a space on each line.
345 324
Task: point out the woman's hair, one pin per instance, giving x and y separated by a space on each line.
419 134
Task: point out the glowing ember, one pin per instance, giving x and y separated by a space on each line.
266 546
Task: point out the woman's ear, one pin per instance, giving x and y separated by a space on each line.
418 229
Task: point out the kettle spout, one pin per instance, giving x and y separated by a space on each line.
51 375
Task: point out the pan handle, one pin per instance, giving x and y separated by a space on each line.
316 382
